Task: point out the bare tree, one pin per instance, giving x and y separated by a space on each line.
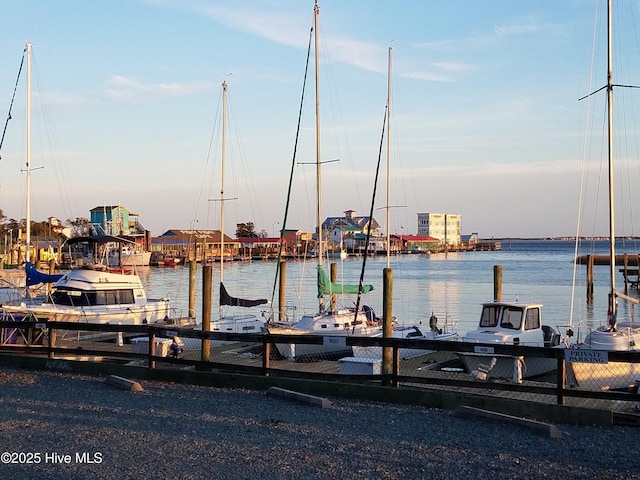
81 226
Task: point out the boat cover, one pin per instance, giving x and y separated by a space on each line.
226 299
326 287
34 276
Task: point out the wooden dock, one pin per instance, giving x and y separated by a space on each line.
629 259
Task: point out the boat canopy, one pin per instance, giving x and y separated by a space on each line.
101 239
326 287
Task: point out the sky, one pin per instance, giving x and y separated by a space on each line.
485 118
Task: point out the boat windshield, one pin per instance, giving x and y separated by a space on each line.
79 298
490 315
511 318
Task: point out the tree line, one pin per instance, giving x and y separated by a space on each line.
10 226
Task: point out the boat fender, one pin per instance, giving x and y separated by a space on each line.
519 368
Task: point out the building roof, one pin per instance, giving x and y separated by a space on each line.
353 223
247 240
103 208
208 236
420 238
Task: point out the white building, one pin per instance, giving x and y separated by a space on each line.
445 227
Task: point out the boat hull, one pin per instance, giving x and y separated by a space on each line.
508 367
603 376
153 311
607 375
136 259
334 328
405 353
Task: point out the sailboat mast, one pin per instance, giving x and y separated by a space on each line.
389 159
224 144
28 226
612 237
320 252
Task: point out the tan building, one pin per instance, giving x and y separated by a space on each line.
198 245
445 227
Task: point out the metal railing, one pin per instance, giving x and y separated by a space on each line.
392 362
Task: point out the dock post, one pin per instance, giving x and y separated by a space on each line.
52 339
625 273
589 279
192 288
387 318
561 380
281 293
497 283
334 279
152 350
266 357
205 354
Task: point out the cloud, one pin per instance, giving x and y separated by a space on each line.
293 30
124 88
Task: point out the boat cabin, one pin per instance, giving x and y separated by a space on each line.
512 324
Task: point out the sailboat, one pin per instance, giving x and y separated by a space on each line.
240 323
587 361
414 332
83 295
334 323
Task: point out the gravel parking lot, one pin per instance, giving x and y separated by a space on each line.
68 426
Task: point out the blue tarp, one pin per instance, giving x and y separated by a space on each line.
34 276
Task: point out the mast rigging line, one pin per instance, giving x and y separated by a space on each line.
373 201
15 88
604 87
293 164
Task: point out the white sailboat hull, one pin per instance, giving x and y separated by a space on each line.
135 259
610 375
334 327
411 332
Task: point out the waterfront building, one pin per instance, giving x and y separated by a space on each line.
349 230
195 245
115 220
444 226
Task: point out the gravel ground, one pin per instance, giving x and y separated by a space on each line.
78 427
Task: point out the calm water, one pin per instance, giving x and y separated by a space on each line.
453 284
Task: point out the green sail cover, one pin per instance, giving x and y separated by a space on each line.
325 287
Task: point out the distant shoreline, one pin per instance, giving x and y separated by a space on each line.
563 239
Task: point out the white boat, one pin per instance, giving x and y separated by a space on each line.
340 254
334 323
93 296
129 256
81 295
587 361
413 332
511 323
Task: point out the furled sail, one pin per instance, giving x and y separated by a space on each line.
34 276
326 287
226 299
